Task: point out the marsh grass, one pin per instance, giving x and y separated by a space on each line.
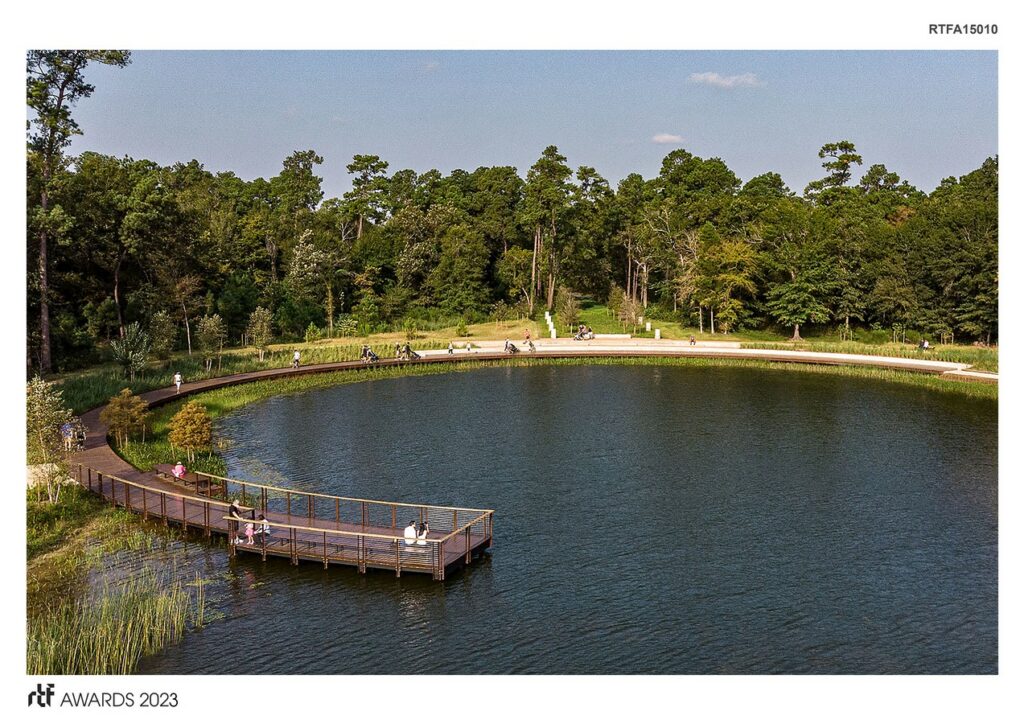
91 388
109 632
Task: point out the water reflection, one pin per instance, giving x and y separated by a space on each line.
650 520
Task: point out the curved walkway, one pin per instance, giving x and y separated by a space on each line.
97 455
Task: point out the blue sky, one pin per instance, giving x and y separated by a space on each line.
924 114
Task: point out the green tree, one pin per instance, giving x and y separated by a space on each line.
841 155
211 333
369 188
191 429
45 414
131 350
259 330
124 414
55 83
548 184
163 335
567 308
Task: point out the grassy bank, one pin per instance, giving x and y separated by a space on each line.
980 358
89 388
78 625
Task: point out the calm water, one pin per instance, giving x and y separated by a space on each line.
649 520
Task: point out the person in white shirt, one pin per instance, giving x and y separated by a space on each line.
421 536
177 381
410 533
295 360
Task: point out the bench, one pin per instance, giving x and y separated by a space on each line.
191 481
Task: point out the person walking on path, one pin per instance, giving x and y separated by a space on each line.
526 339
177 382
295 360
451 348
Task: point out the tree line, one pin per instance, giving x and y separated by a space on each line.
116 241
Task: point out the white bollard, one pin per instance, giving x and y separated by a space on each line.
648 326
657 334
553 335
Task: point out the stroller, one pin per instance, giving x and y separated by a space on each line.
371 356
511 348
530 346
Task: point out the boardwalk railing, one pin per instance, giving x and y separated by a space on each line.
364 513
371 541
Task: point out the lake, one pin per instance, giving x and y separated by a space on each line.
649 519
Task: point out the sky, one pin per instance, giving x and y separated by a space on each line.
925 114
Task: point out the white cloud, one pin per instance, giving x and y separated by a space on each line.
666 138
725 81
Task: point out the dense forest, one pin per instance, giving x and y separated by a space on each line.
114 241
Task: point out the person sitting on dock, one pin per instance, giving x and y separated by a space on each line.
178 471
421 535
410 533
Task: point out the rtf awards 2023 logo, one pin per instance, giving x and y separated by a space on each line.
41 697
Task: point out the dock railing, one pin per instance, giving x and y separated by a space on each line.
371 544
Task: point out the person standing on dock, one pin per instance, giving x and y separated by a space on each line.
410 533
177 382
295 360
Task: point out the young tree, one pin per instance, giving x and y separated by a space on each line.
185 291
259 330
211 334
45 414
124 414
567 307
55 83
191 429
162 334
514 272
131 351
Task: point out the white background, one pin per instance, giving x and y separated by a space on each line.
519 24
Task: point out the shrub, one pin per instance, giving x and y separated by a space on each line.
131 351
191 429
125 413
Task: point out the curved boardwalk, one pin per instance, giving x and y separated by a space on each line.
372 541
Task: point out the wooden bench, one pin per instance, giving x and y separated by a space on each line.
200 485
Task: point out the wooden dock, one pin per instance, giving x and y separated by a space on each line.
359 532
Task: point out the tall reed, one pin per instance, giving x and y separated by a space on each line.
109 632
